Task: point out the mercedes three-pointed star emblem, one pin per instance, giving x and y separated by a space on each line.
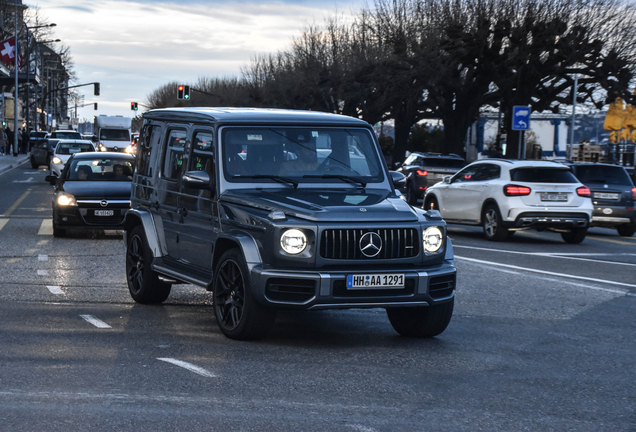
370 244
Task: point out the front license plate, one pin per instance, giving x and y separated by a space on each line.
553 197
104 212
369 281
604 195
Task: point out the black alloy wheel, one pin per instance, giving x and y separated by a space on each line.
143 283
238 314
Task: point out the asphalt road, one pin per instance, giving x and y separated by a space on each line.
542 338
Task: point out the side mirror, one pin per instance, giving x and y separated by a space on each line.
399 179
196 179
447 179
51 179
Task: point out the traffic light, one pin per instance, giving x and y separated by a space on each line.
133 106
96 92
186 92
180 92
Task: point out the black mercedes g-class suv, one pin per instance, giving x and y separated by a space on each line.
273 209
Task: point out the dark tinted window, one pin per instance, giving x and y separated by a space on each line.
174 154
441 163
602 174
542 175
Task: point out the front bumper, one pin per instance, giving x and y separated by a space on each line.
326 289
83 217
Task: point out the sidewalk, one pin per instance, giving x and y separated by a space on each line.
9 161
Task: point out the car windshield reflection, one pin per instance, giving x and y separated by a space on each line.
103 169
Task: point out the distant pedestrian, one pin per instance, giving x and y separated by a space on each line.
25 141
9 133
3 142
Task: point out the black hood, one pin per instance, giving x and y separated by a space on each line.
98 189
327 205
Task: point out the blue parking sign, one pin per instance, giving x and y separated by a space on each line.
520 117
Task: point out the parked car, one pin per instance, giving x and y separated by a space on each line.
63 151
219 201
66 134
613 195
504 196
90 193
423 170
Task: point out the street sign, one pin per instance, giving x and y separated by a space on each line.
520 117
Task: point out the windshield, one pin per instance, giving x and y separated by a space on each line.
101 169
66 135
114 135
70 148
302 155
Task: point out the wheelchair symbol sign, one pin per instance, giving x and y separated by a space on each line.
520 118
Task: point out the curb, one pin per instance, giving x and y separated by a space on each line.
18 161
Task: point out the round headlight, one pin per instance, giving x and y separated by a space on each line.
293 241
433 239
56 160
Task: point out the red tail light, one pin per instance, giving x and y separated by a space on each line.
584 192
633 194
422 173
514 190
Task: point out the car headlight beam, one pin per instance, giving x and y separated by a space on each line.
65 200
433 239
56 160
293 241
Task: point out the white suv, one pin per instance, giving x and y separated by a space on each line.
505 196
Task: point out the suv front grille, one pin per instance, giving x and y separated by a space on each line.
345 243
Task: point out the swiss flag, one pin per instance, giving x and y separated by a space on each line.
7 52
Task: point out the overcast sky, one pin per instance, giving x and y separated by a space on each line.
135 47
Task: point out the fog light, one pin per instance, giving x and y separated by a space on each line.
293 241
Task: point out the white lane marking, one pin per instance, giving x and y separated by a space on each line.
55 289
3 222
557 255
43 257
46 228
43 272
189 366
96 322
564 275
29 180
576 284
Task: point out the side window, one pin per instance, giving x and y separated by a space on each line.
202 152
173 160
468 174
491 172
149 140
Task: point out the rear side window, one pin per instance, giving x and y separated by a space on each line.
602 174
542 175
174 154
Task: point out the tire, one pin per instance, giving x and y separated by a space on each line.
574 236
143 283
33 164
626 230
430 204
58 232
492 224
238 314
421 322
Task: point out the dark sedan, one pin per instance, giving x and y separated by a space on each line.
93 192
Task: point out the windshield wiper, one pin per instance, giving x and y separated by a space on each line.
353 180
279 179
